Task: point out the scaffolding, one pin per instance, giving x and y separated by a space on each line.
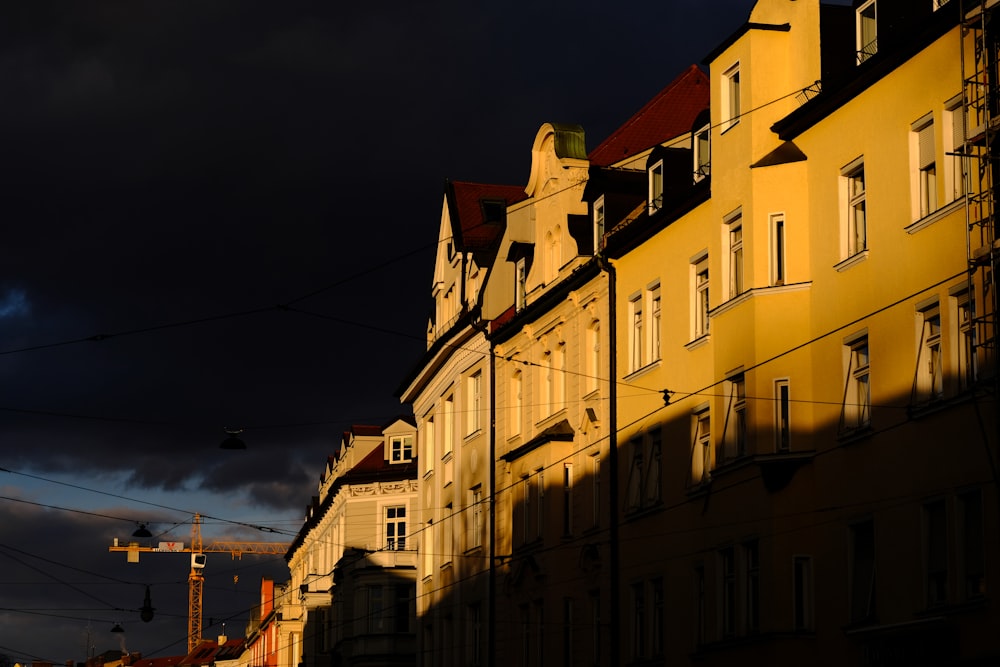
980 156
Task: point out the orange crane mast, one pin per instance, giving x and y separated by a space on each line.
196 579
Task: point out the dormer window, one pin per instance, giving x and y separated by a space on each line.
400 449
702 155
598 223
656 186
867 31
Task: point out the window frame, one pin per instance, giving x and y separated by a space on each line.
855 200
731 94
636 332
924 166
782 415
929 376
776 224
701 148
404 452
600 219
655 176
397 522
865 47
700 294
856 409
733 228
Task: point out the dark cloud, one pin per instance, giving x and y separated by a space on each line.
201 164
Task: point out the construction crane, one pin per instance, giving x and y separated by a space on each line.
196 579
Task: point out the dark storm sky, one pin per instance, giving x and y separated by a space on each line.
202 164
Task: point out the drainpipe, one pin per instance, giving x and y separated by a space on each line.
491 595
614 558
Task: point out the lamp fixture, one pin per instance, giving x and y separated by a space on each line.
232 441
142 531
117 628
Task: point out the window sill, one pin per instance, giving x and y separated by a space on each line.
645 510
642 371
429 474
848 436
935 216
472 436
698 342
851 261
728 125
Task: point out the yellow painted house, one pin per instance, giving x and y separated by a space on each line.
807 415
722 390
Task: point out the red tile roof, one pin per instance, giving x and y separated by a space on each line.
671 113
476 233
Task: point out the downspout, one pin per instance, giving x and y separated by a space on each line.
491 594
614 557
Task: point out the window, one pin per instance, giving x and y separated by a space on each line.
525 485
595 628
856 411
448 535
938 4
474 633
638 620
782 416
525 614
971 558
699 271
856 226
802 593
376 610
595 476
598 224
862 571
867 31
567 632
593 356
953 134
656 186
701 449
516 384
475 517
401 447
967 363
778 249
702 154
653 489
657 618
545 380
735 428
559 376
401 612
926 166
930 375
731 97
633 497
429 440
734 230
520 284
654 323
637 335
699 597
539 606
449 424
567 515
936 552
395 528
727 592
751 586
473 415
540 505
